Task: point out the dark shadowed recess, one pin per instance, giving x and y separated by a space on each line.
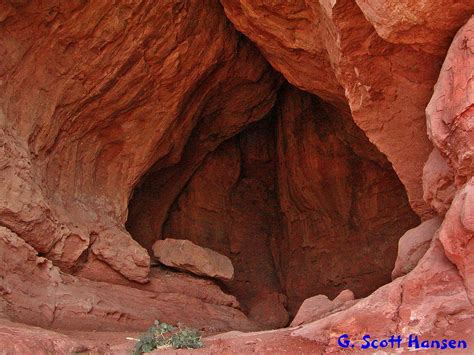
301 202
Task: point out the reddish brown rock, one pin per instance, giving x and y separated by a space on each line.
269 310
438 182
320 306
312 309
450 113
292 44
344 296
93 95
162 281
359 41
230 205
38 293
187 256
158 103
335 194
413 245
421 24
457 235
431 302
18 338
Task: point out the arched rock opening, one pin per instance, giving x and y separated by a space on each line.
301 202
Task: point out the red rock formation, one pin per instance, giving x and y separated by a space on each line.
36 292
187 256
230 205
153 107
336 198
93 95
434 300
368 58
413 245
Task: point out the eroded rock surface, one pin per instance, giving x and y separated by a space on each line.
93 95
124 123
413 245
36 292
320 306
334 192
187 256
230 205
379 58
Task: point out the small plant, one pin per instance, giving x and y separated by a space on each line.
163 335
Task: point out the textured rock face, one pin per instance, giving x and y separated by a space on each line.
128 122
230 205
336 195
413 245
451 109
434 300
187 256
36 292
333 189
320 306
382 57
92 96
91 90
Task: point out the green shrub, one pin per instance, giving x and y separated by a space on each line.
163 335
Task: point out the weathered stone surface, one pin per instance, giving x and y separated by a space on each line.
162 281
386 71
185 255
93 95
320 306
18 338
312 309
334 193
293 44
429 25
450 113
36 292
413 245
344 296
431 302
438 182
457 235
230 205
152 101
269 309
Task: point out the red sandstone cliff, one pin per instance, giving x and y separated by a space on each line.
301 139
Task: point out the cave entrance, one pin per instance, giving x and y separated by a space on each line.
301 202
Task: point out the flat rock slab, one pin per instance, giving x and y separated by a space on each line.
187 256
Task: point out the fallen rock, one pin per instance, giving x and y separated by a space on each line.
36 292
321 306
345 296
230 205
185 255
162 282
413 245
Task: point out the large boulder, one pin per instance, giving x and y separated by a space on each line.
321 306
413 245
187 256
